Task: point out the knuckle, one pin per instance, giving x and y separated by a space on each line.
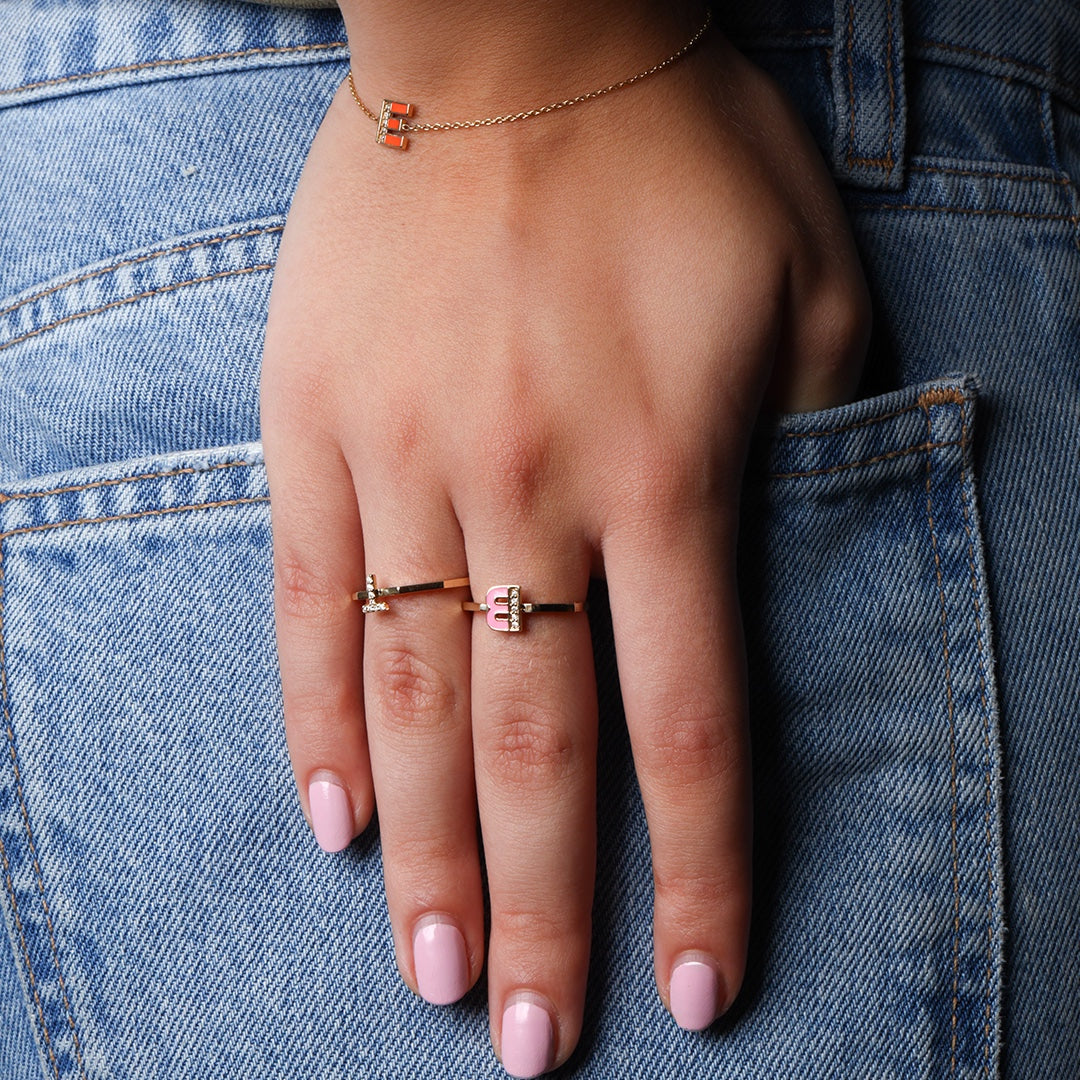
528 746
425 853
516 462
305 395
411 691
694 746
302 593
314 713
539 927
686 890
853 316
843 327
666 482
400 436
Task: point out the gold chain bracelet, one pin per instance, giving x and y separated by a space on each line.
394 119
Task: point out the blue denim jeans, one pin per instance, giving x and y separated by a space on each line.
909 575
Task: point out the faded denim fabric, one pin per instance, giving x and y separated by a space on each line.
917 888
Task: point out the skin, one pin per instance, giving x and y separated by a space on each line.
534 353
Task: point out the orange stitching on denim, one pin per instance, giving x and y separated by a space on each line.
30 835
888 162
140 259
131 300
933 209
851 427
950 705
937 396
267 50
893 454
7 870
160 512
940 395
982 174
125 480
979 635
26 957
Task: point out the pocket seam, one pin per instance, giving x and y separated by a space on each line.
180 249
146 65
924 447
869 422
188 470
981 651
953 790
171 287
159 511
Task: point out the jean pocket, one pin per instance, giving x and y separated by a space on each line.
152 351
878 869
169 913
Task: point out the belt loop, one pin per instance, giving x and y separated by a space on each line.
868 90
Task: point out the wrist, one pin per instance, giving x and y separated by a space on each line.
480 58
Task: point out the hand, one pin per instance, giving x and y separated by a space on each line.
532 353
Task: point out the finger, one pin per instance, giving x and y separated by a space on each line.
416 676
534 730
682 675
318 563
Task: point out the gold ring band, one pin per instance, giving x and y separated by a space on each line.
527 608
503 607
372 593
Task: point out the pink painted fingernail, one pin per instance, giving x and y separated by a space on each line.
331 817
528 1039
694 994
442 964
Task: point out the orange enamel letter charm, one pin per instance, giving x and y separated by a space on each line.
391 124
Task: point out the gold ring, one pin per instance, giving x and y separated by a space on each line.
372 594
504 607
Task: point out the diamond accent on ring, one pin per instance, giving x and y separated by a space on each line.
504 607
373 603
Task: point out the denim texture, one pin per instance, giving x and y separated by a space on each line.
908 563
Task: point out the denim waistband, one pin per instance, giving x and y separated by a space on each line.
872 41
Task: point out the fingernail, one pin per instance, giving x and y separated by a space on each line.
694 994
331 817
528 1039
441 962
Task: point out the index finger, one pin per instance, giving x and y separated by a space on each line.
318 565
